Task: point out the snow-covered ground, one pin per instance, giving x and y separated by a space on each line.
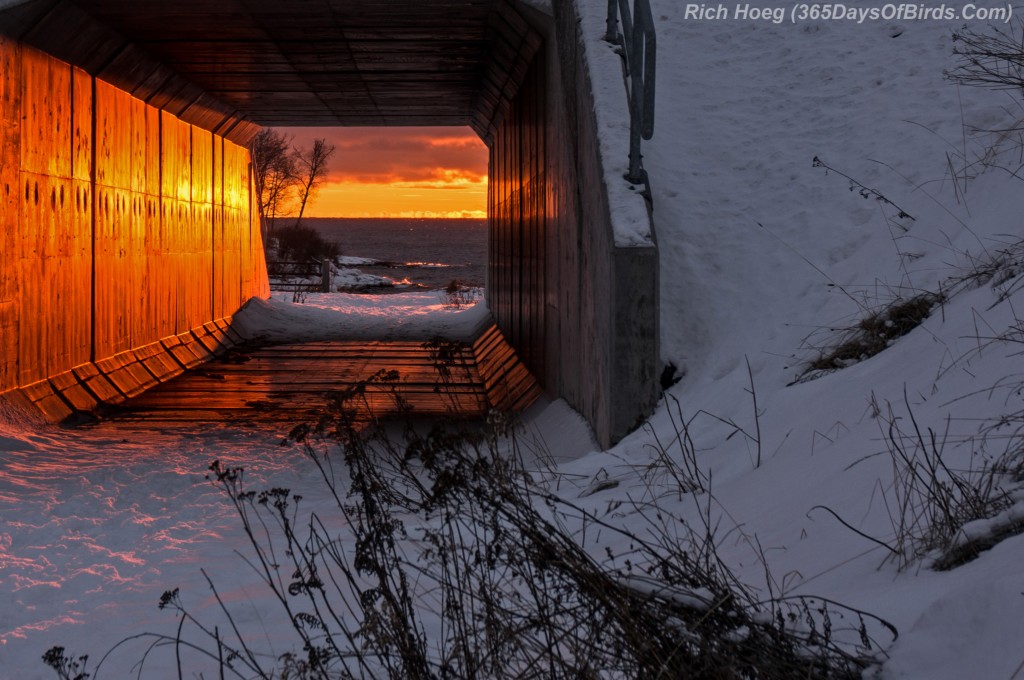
762 254
349 316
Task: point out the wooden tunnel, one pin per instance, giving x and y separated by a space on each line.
124 232
126 208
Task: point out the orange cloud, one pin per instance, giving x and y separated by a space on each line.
400 172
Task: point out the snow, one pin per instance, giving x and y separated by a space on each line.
354 261
349 316
762 255
631 226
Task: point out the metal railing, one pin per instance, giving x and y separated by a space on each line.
281 273
639 47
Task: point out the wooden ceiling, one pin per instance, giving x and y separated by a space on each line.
233 65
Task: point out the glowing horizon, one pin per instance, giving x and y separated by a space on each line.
424 172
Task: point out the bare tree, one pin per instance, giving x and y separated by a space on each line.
312 167
275 174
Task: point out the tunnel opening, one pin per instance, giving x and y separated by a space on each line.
153 104
397 209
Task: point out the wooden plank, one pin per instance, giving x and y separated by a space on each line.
113 137
154 174
184 356
170 270
179 260
208 341
10 210
176 157
143 326
489 334
211 389
233 259
217 227
234 335
46 114
289 401
126 373
66 259
99 386
495 344
43 396
183 352
268 379
81 125
497 370
132 379
32 236
257 264
236 222
509 384
509 381
119 225
79 304
202 165
195 345
45 336
137 122
422 362
73 392
219 335
162 259
356 351
494 361
291 382
201 272
106 272
158 361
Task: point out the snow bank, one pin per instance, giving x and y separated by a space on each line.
345 316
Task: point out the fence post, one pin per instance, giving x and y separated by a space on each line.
612 31
325 276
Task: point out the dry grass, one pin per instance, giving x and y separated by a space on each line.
875 332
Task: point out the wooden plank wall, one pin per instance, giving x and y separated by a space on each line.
120 226
10 207
518 220
54 259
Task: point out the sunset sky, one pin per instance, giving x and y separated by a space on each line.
400 172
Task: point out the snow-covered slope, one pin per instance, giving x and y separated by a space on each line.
763 253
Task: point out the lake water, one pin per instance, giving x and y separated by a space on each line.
429 253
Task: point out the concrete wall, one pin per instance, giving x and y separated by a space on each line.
123 232
581 312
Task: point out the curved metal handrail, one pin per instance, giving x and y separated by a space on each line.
639 51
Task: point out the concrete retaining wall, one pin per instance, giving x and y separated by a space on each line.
581 311
124 233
